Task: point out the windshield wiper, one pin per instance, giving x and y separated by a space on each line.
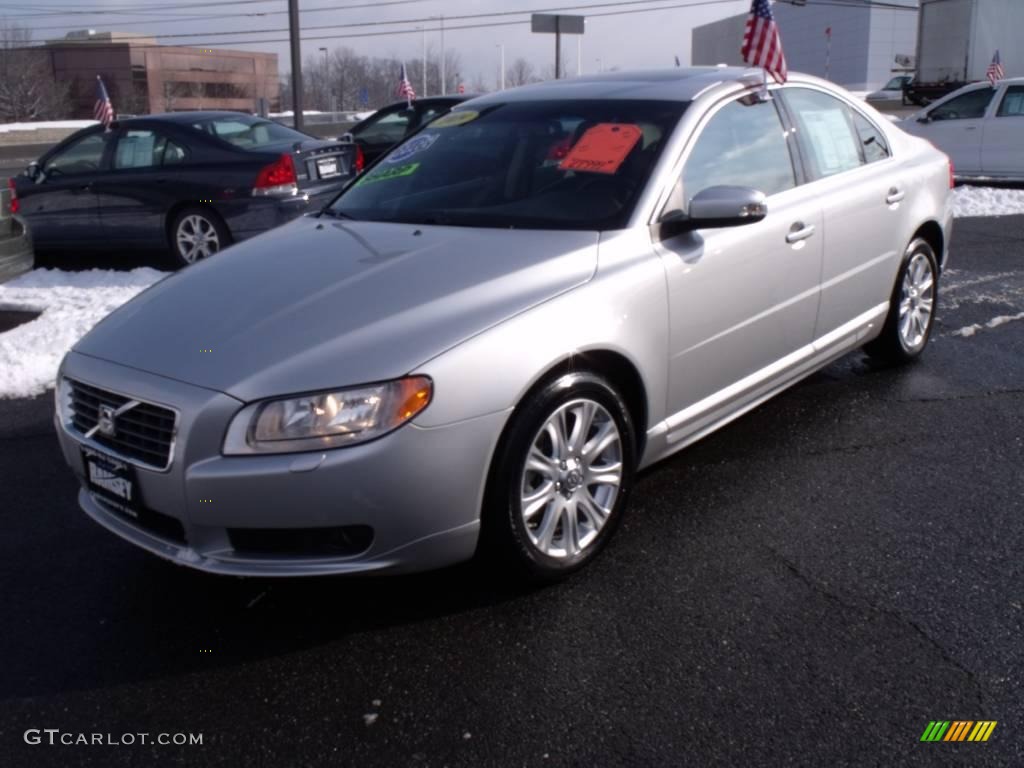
336 214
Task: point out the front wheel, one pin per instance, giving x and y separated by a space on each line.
908 326
560 479
197 233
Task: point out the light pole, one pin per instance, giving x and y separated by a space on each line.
424 31
327 77
296 52
501 72
444 85
598 60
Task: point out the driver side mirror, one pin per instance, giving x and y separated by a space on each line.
716 207
33 172
924 119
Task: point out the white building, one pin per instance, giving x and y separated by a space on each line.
869 42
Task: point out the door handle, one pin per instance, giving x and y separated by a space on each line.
798 232
970 127
84 188
894 196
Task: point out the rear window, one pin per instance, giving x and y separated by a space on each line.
248 132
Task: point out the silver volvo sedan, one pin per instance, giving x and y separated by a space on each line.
480 342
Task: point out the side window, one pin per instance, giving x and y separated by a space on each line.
742 145
1013 102
872 141
389 129
83 156
825 127
145 149
964 107
431 113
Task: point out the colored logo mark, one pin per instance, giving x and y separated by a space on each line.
958 730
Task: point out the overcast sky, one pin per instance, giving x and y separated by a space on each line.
632 40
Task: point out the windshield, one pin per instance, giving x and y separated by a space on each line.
895 84
541 165
248 132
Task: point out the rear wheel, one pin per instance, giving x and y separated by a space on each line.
560 480
196 234
911 317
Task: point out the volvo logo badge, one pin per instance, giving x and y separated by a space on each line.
106 425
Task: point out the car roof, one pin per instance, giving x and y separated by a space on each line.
187 118
676 84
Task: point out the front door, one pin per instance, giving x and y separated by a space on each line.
956 126
741 299
61 206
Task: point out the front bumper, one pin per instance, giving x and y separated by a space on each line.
419 490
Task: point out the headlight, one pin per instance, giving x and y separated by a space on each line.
327 419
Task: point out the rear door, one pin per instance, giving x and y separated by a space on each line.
862 193
144 181
61 206
1002 149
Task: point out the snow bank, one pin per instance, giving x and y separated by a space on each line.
71 125
71 303
987 201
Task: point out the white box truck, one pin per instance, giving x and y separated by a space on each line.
956 40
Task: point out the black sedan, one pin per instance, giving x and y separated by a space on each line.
389 125
191 182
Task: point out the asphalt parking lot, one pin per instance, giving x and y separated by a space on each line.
809 586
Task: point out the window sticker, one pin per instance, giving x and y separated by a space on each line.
411 147
386 174
603 148
453 119
831 141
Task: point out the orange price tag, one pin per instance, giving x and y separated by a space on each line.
603 148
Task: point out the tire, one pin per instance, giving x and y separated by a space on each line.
195 234
908 326
542 520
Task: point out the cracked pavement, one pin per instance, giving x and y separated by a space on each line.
809 586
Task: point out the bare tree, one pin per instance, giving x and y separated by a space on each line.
28 90
520 73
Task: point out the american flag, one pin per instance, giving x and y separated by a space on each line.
104 110
995 71
405 89
762 46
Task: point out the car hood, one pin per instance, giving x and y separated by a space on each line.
323 303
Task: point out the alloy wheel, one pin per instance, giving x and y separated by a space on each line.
571 479
197 238
917 302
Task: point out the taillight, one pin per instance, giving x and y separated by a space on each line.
278 178
952 175
360 162
15 205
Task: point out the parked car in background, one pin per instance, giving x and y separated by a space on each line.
479 343
891 92
15 241
387 126
191 182
980 127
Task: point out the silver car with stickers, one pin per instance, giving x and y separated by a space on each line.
478 344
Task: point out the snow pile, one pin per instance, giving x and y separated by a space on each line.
71 125
995 322
987 201
71 303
